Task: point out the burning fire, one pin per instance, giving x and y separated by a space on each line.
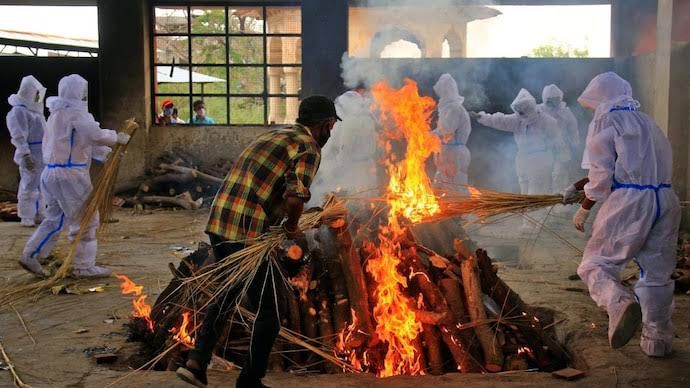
141 308
405 116
350 355
182 334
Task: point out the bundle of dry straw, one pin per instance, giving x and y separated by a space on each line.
99 201
239 269
486 203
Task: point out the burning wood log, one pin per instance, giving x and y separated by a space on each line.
493 357
452 291
432 343
356 287
450 332
332 262
547 351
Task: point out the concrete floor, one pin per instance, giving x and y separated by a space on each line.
140 246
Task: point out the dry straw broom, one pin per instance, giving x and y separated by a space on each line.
100 200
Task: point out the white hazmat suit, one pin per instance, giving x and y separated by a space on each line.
453 128
536 136
630 172
26 124
349 159
72 138
553 105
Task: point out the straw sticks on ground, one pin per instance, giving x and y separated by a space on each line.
17 380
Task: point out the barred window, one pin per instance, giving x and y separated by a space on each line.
243 62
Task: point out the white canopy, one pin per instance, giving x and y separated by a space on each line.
181 75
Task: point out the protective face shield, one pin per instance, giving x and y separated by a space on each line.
524 104
30 94
553 102
552 96
74 88
167 112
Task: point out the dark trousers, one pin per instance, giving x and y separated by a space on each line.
265 296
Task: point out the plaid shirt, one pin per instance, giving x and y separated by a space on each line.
278 164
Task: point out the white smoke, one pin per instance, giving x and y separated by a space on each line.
349 159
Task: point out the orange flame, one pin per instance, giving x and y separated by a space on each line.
141 308
341 347
182 334
405 116
474 193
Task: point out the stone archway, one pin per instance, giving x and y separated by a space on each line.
383 38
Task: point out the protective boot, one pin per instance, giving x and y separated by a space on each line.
92 272
623 323
33 266
27 222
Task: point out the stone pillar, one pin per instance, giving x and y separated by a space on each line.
457 40
292 86
124 52
275 110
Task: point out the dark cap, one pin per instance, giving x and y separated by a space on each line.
317 108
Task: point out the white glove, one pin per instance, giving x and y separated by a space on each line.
28 162
569 195
580 218
123 138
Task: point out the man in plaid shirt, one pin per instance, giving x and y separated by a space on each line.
268 184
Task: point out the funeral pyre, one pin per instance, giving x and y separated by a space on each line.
392 302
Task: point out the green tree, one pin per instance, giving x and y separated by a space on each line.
554 51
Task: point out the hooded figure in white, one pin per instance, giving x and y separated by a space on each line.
453 128
348 161
72 139
26 124
630 169
554 106
536 136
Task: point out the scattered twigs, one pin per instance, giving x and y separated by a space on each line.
21 320
17 380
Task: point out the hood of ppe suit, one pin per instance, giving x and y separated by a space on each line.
447 90
30 94
73 91
552 91
525 103
606 91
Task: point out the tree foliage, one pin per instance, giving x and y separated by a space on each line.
554 51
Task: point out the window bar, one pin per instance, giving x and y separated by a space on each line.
189 61
227 64
265 39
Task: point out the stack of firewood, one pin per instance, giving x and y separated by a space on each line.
177 179
682 273
8 211
472 320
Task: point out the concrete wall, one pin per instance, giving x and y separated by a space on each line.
48 70
208 143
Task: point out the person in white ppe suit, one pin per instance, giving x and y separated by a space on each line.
630 169
349 159
554 106
536 136
26 124
72 139
453 129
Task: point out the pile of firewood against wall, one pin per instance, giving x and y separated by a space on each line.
177 179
